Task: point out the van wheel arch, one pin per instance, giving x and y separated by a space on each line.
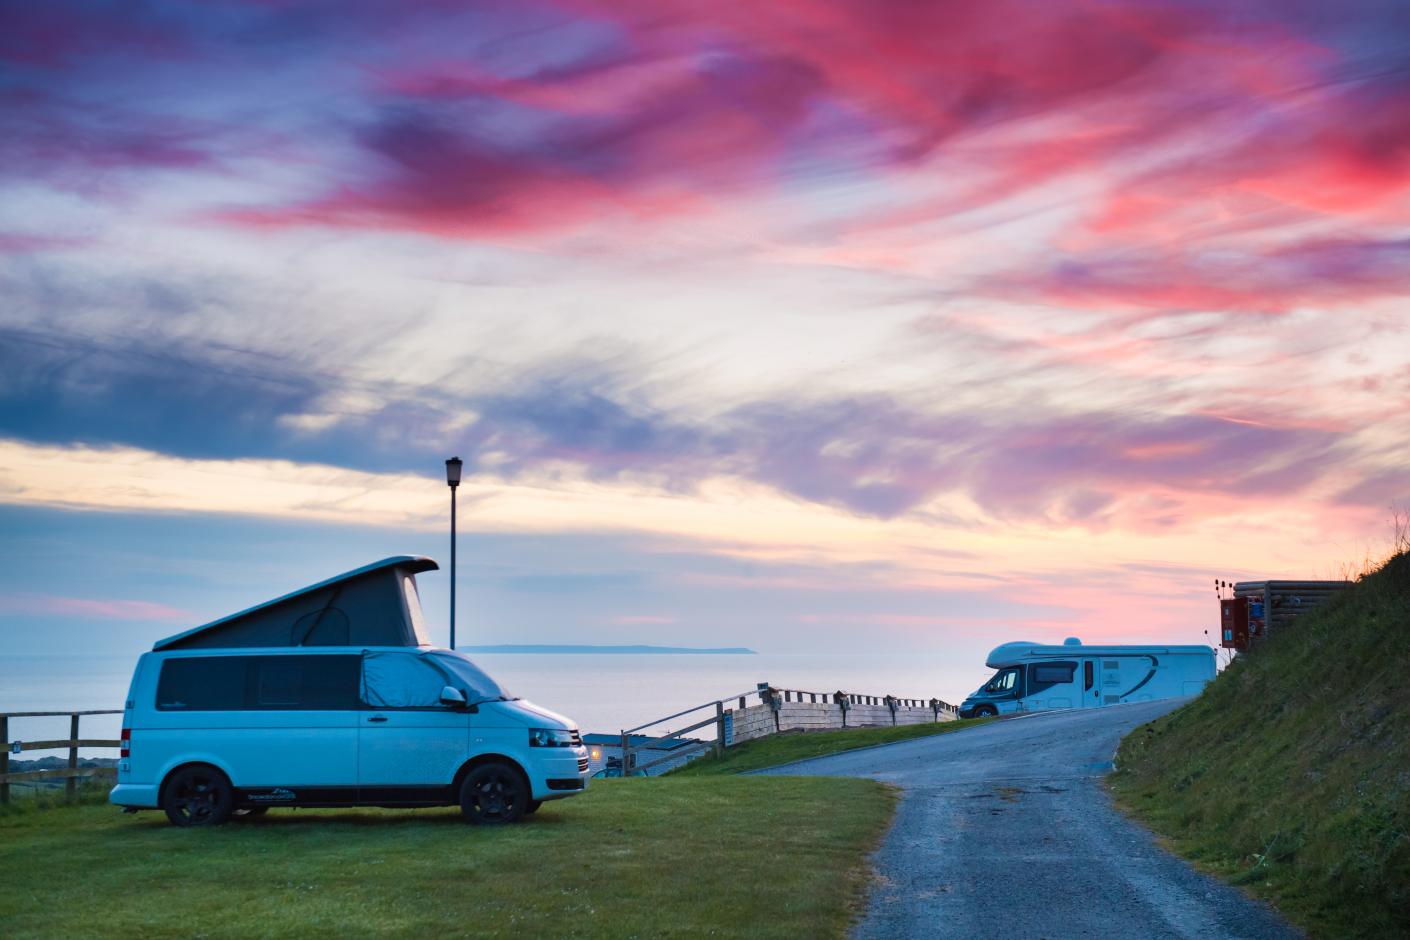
205 795
161 790
482 759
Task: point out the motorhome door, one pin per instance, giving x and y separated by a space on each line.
1054 685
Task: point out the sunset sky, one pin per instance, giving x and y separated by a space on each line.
828 325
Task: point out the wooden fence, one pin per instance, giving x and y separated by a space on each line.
70 774
784 710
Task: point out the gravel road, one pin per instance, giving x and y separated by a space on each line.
1005 831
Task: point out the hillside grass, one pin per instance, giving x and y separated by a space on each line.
1290 775
793 746
757 857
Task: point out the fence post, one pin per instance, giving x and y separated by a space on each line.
719 729
626 754
71 783
4 758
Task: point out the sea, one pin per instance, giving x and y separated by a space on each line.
602 692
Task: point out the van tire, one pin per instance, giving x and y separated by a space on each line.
984 711
533 807
494 793
198 795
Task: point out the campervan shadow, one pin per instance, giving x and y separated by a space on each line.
333 696
1032 677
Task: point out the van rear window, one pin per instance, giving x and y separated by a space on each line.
237 683
204 683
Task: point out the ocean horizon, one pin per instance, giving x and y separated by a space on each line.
602 692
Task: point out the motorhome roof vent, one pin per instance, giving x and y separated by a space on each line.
1072 641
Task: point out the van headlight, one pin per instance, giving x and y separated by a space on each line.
550 737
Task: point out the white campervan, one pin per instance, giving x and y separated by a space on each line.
1033 677
214 726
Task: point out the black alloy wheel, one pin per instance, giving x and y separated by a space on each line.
494 794
198 796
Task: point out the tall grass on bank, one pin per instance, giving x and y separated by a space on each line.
1290 775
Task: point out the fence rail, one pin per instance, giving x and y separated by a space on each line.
70 774
726 716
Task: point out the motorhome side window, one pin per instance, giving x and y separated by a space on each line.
1046 675
244 683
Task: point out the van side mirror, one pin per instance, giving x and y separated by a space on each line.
452 696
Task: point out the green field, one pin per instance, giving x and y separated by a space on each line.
762 857
794 746
1290 775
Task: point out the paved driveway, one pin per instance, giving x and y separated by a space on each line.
1005 831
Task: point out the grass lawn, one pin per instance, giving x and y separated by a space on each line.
763 857
791 746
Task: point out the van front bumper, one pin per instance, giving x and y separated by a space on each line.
136 795
562 774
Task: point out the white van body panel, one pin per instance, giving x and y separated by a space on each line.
1034 677
355 755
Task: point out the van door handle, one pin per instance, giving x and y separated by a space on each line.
378 718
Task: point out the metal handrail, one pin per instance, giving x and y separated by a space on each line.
718 701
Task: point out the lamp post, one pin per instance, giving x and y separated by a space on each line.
453 466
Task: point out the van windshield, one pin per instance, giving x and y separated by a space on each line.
479 687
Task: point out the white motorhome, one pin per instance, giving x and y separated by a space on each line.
1033 677
330 696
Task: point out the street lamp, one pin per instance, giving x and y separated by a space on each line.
453 466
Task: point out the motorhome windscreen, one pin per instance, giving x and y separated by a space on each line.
479 687
1004 680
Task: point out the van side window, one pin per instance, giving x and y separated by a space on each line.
242 683
1046 675
401 680
202 683
305 682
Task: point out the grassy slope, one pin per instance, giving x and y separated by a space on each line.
761 857
786 748
1291 774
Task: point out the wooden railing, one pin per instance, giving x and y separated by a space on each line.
70 774
723 712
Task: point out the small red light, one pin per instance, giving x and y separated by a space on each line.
126 743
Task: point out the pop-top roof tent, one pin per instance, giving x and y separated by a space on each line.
375 605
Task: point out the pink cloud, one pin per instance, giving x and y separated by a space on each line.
1274 280
47 605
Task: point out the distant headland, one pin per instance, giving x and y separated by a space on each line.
538 648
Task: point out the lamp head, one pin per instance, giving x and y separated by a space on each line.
453 466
